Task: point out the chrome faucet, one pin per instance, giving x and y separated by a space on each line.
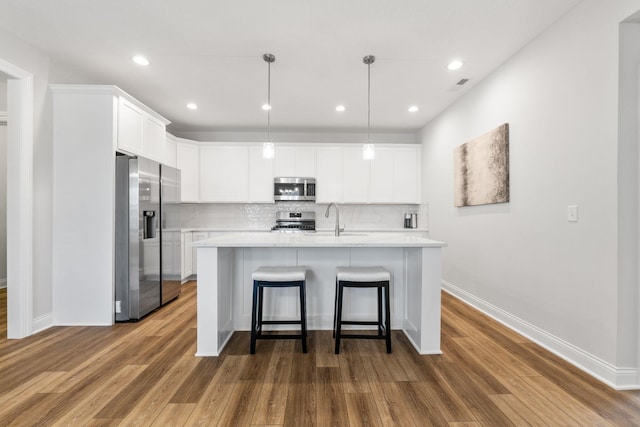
326 215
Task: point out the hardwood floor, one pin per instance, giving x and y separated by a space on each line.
145 374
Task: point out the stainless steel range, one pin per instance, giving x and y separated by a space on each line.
295 221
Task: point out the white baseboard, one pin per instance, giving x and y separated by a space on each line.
3 283
615 377
42 323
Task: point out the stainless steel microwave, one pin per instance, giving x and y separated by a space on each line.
294 189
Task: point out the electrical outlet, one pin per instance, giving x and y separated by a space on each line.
572 213
118 307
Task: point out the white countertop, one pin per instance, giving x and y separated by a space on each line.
319 239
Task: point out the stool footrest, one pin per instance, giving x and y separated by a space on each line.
366 337
361 322
278 337
281 322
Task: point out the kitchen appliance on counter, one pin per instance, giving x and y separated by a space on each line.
410 220
147 251
292 222
294 189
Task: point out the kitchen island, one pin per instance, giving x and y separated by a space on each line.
225 264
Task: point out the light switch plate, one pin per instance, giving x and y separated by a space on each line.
572 213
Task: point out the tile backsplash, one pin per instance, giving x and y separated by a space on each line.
262 216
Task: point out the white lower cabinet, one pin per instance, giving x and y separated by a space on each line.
187 256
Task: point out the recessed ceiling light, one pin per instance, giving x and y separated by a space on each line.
140 60
413 109
266 107
340 108
192 106
455 64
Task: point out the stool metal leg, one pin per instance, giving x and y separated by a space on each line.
254 308
387 303
303 316
339 318
260 304
335 310
379 311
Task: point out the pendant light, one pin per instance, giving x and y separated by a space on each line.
369 150
268 149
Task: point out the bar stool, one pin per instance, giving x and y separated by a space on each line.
277 277
363 277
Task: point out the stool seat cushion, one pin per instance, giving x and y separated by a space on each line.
279 274
362 274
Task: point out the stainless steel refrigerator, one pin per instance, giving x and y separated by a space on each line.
147 266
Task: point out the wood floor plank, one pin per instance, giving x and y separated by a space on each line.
352 368
274 387
331 402
174 415
212 404
362 410
86 409
194 385
156 398
392 404
519 413
301 397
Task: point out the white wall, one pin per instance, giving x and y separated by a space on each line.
522 261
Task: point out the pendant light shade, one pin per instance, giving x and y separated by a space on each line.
268 149
369 150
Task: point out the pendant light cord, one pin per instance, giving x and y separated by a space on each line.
269 102
369 59
369 103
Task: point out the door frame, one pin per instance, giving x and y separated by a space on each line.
20 141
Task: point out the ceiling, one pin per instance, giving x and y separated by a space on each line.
210 52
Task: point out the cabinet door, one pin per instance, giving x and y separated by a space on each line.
260 176
154 139
130 127
381 186
295 161
188 161
305 161
328 174
407 174
188 255
170 152
355 176
284 161
224 173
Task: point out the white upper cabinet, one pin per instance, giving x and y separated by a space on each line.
143 132
294 161
130 125
328 174
188 161
355 176
260 176
382 185
407 176
170 151
224 173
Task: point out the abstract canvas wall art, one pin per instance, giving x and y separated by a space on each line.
481 169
